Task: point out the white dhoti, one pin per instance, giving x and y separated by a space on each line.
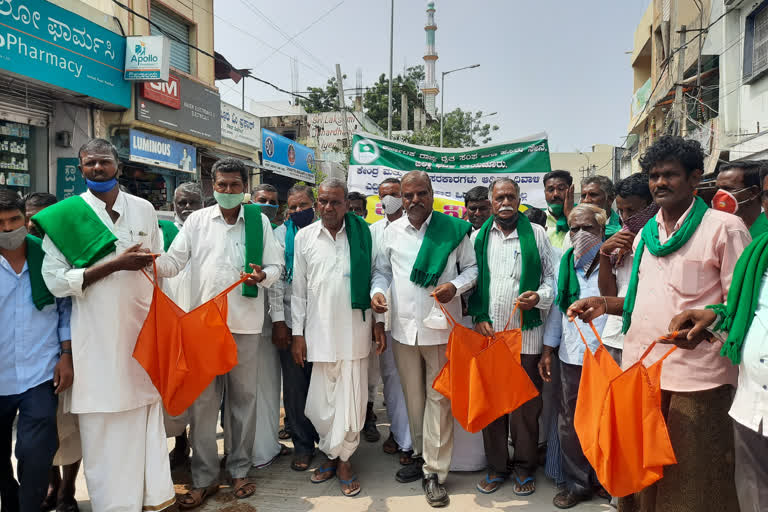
266 446
70 449
175 425
394 397
125 458
374 375
468 450
336 403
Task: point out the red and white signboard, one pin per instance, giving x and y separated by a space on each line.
166 93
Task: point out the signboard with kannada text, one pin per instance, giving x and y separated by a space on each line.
43 41
147 58
240 126
287 157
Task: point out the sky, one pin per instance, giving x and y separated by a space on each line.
556 66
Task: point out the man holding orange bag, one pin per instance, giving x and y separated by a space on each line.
514 266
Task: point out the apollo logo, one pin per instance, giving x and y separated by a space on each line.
365 151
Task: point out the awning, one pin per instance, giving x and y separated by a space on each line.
218 156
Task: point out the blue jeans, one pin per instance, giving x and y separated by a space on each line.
36 443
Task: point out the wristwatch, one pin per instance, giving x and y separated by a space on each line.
66 351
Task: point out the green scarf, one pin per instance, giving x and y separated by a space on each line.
759 227
650 238
743 297
77 231
614 224
530 279
290 235
254 243
556 210
568 289
443 235
41 295
170 231
360 249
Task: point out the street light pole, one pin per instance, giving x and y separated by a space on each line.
442 97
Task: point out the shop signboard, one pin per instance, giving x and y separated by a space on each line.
43 41
161 152
69 179
286 157
240 126
147 58
182 105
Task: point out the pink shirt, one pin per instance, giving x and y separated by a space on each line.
697 274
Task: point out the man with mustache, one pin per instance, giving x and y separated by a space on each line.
598 190
683 258
424 256
478 206
515 266
558 192
738 192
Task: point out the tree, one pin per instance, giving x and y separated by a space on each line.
375 98
323 100
460 129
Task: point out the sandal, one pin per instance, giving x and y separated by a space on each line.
406 457
284 434
331 470
285 450
568 499
247 487
518 488
349 493
188 501
301 461
497 480
390 445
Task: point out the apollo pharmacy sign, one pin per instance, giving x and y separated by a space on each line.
45 42
147 58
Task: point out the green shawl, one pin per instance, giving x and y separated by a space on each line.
254 243
41 295
759 227
556 209
360 257
614 224
170 231
77 231
649 238
443 235
568 289
743 297
530 278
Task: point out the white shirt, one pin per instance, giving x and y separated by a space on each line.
377 233
750 405
505 265
215 252
178 288
321 304
279 294
108 315
612 335
411 303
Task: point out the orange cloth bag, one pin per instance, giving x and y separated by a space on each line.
619 422
184 352
483 377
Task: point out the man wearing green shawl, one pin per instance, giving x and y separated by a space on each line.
738 192
558 188
332 321
424 256
219 243
599 190
515 265
683 258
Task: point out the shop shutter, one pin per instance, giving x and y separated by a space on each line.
176 29
25 103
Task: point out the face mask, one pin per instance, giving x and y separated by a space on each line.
556 209
585 248
726 202
303 218
270 210
101 187
228 201
391 204
11 240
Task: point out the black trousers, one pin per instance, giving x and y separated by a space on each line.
522 425
295 387
37 440
751 450
579 476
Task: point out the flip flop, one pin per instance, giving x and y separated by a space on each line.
330 469
349 482
490 480
520 484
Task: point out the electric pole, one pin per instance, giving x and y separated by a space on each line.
342 108
679 102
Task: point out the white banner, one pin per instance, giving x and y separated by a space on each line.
240 126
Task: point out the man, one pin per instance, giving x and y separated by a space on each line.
116 401
296 378
266 447
187 198
33 203
558 190
425 256
683 258
478 206
636 207
515 262
738 192
598 190
331 284
217 242
577 278
185 164
399 440
358 204
744 345
36 351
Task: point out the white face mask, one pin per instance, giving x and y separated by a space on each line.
10 240
391 204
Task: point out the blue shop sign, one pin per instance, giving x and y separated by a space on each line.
41 40
161 152
287 157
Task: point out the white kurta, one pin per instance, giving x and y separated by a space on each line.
108 315
178 288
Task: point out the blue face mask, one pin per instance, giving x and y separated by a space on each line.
303 218
101 186
270 210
